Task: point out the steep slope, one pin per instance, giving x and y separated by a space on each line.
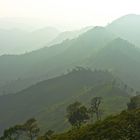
94 49
49 62
122 126
122 58
47 100
127 27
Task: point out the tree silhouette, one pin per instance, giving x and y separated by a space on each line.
12 133
31 128
77 114
94 108
134 103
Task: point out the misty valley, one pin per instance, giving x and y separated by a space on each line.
79 84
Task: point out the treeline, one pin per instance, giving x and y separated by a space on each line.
86 124
116 82
78 114
124 126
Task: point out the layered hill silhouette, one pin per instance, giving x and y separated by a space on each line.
41 84
127 27
48 99
97 48
122 58
53 61
68 35
18 41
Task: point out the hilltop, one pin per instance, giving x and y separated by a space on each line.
47 100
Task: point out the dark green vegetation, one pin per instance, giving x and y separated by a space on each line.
44 82
77 114
124 126
95 108
49 99
134 103
28 130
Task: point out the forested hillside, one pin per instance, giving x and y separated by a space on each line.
47 100
122 126
73 85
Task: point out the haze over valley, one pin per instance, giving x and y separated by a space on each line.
69 74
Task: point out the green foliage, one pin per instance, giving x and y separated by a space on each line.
47 136
12 133
77 114
31 128
124 126
28 130
47 100
134 103
94 108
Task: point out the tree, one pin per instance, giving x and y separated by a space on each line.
12 133
31 128
48 135
134 103
77 114
94 108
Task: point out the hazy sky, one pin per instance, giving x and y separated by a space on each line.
70 12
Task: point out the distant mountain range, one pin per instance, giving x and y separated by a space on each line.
68 35
127 27
40 84
17 40
86 50
50 62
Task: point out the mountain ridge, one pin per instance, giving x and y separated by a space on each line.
48 99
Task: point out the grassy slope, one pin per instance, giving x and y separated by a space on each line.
47 100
